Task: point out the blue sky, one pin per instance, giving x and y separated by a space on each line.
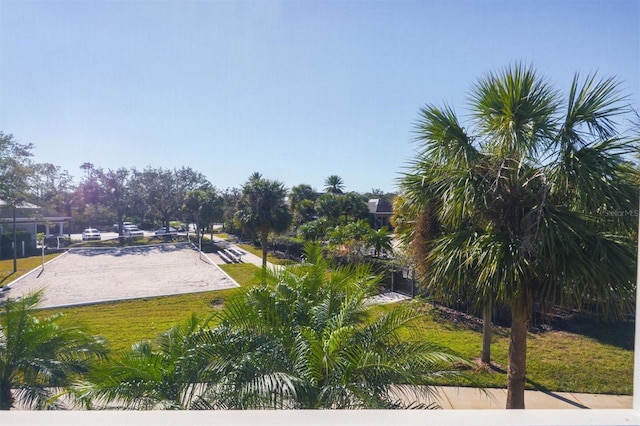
296 90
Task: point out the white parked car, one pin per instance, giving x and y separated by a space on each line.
90 234
131 231
163 231
124 225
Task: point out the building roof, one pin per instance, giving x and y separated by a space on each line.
27 212
380 206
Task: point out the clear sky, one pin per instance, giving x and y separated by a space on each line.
295 90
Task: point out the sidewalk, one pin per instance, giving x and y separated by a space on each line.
478 399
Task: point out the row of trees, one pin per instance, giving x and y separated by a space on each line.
154 195
150 195
340 219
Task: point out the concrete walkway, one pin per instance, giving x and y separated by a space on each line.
478 399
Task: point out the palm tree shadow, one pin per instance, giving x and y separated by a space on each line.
6 278
537 386
540 388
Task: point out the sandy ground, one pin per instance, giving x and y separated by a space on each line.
87 276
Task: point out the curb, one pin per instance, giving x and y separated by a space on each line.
8 286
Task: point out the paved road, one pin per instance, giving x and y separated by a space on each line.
84 276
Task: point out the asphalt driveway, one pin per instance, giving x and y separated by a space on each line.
85 276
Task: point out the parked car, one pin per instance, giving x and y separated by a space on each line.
163 231
124 225
90 234
131 231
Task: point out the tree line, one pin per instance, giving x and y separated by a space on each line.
156 195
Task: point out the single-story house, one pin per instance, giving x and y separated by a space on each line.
28 217
381 210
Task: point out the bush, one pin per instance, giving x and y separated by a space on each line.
287 247
6 249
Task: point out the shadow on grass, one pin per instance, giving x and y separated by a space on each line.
7 278
619 334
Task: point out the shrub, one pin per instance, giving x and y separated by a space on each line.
6 249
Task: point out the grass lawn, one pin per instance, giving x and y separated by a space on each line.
599 360
556 360
24 265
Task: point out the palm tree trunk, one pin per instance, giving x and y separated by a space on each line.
264 234
517 365
486 333
6 397
15 243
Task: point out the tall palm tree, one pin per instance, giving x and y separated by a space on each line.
299 341
334 185
38 356
529 200
262 209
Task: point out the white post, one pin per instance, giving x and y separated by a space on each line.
23 253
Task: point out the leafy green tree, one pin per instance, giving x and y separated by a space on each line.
348 242
16 169
334 185
16 172
305 211
381 241
230 199
528 200
53 188
160 193
38 356
300 193
329 206
302 198
262 210
108 189
203 207
299 341
353 206
314 230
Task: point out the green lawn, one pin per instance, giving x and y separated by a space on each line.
556 360
599 362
